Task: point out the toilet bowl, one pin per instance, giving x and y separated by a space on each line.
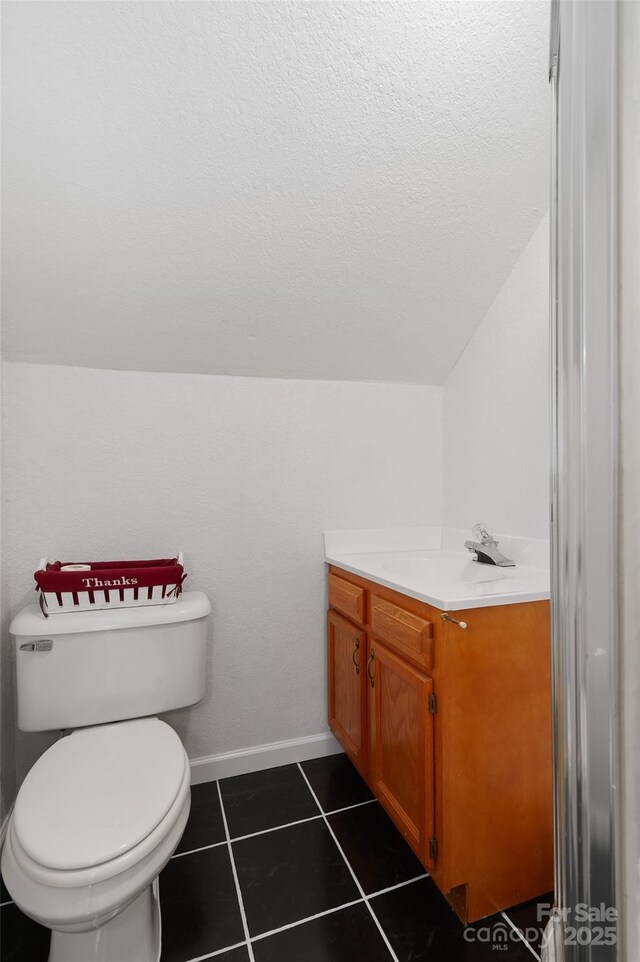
95 821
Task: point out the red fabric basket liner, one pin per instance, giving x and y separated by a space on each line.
121 574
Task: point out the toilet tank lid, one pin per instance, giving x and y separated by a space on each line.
30 622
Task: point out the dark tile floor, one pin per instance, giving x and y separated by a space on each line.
312 870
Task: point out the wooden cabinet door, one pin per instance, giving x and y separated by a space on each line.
348 687
402 757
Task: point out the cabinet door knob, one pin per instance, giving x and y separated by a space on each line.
355 658
369 663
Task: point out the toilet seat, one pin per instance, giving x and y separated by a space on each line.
98 793
97 801
76 900
106 871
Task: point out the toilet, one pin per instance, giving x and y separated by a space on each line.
102 811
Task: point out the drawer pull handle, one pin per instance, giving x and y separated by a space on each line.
454 621
369 675
355 657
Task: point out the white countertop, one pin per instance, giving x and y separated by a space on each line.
448 580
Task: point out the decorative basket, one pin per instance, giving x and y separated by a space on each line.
88 586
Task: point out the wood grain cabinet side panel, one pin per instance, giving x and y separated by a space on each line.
347 598
347 650
495 709
402 760
404 632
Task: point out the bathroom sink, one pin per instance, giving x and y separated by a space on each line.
449 580
468 571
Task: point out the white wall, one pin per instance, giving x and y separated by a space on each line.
243 474
496 408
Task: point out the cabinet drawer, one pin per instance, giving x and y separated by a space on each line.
407 634
347 598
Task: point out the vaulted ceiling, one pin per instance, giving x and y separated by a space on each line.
282 189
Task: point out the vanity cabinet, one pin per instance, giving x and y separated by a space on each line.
451 728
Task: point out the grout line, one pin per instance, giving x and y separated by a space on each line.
241 838
264 831
212 955
521 935
399 885
319 915
236 879
203 848
311 918
276 828
353 874
334 811
8 902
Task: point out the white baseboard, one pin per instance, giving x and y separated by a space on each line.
212 767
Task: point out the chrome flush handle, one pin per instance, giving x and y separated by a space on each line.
45 645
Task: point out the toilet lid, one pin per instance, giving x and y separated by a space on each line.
99 792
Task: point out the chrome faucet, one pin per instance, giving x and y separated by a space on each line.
486 549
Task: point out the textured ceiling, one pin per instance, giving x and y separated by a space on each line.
286 189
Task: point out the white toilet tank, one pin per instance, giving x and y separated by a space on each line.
89 667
